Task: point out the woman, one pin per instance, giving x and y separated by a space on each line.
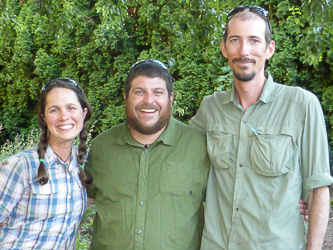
42 190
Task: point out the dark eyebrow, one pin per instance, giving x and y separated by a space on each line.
234 36
140 88
56 106
257 37
51 107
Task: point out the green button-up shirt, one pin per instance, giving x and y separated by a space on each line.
148 198
264 160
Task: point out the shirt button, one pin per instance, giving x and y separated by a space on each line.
143 177
244 122
237 209
240 165
139 231
146 151
141 203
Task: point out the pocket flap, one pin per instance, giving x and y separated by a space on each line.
219 141
48 188
271 154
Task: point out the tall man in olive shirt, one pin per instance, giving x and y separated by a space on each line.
268 146
149 173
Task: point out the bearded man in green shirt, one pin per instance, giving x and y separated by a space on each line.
149 173
268 146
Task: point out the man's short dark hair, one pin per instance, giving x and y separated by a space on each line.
245 15
151 69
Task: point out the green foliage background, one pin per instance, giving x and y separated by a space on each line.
95 42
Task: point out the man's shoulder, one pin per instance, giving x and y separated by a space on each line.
220 95
184 130
293 93
110 134
190 139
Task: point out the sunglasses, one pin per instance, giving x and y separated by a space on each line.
255 9
68 80
159 63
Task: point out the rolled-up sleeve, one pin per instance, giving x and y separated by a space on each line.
314 150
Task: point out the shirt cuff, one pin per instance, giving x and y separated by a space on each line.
315 181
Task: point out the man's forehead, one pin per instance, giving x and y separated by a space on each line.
246 15
148 82
240 24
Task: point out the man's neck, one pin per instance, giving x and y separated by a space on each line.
145 139
249 92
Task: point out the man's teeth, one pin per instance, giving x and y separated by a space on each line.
66 126
148 110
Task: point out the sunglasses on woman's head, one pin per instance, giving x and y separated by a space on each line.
68 80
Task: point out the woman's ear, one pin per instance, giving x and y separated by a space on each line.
41 115
85 111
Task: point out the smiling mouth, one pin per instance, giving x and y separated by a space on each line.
148 110
66 126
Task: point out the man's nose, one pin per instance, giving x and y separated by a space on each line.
149 97
245 48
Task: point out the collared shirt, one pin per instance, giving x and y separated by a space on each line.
148 198
35 216
264 160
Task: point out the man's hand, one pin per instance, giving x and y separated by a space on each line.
318 206
303 209
90 201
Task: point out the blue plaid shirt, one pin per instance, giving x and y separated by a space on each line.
34 216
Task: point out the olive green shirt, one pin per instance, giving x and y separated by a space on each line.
264 160
148 198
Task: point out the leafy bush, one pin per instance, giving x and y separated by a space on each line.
20 143
86 227
96 42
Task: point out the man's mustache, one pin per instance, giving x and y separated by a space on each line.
244 60
147 106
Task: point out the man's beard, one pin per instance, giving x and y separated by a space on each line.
245 77
163 120
242 76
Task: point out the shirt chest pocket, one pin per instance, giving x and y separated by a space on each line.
271 154
179 178
219 143
45 199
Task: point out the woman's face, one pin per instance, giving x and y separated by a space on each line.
63 115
